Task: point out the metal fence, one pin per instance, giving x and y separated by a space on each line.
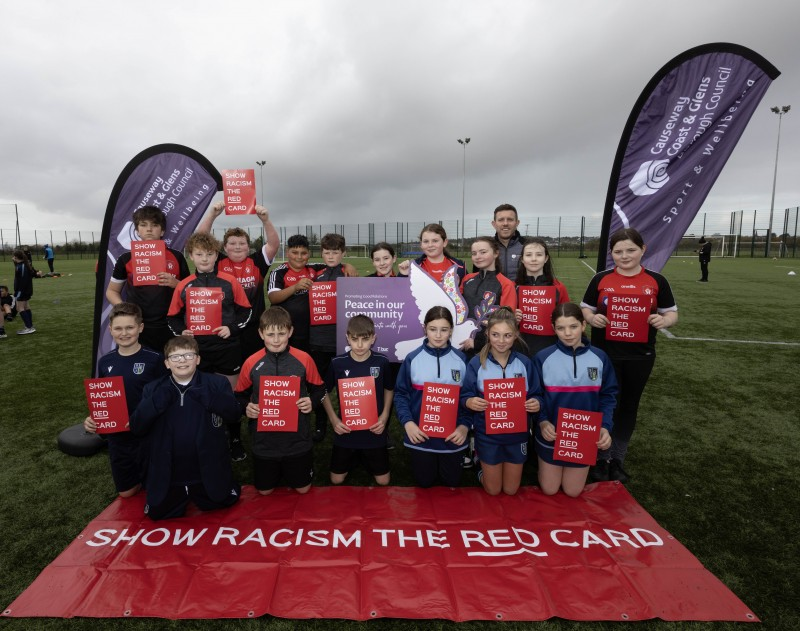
739 233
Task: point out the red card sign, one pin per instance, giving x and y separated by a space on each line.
322 297
536 304
239 191
577 433
203 309
439 409
506 413
108 406
148 260
627 318
277 404
358 404
343 551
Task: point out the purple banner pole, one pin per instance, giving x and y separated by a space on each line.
174 178
676 141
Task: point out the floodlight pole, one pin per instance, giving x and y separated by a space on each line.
780 112
261 163
464 144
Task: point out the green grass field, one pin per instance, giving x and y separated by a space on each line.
715 458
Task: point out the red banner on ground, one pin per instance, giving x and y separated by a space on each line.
366 552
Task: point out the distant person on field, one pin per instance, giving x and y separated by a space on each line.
23 289
137 366
50 256
154 300
183 416
704 255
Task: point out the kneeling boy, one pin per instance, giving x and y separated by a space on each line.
279 454
368 445
183 416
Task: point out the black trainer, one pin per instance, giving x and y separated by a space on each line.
616 472
599 472
237 450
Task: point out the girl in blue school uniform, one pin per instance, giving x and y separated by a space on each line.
578 376
501 455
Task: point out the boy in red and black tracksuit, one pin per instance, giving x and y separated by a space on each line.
276 454
220 350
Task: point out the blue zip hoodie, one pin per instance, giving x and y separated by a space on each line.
432 365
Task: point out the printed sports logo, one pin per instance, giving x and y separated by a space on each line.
650 177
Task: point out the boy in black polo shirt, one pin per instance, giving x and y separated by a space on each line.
154 300
276 455
368 445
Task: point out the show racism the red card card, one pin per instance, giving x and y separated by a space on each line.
277 404
240 191
358 405
148 260
203 309
506 413
439 410
536 304
577 433
322 300
108 406
627 317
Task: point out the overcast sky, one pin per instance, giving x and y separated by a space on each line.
356 106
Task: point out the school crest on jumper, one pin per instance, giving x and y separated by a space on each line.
375 371
138 368
518 374
455 374
593 373
216 421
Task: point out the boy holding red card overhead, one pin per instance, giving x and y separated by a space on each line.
279 424
137 366
151 291
365 383
183 416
